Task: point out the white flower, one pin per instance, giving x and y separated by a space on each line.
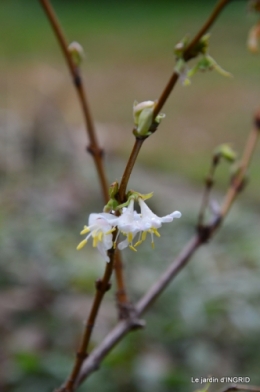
129 224
150 222
100 227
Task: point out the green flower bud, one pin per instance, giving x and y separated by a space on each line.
113 189
143 117
203 45
180 47
226 152
77 53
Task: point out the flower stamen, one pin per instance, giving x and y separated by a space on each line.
132 248
82 244
85 230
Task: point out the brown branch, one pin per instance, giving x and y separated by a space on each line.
129 167
215 13
209 182
122 328
238 180
166 93
97 154
94 148
102 286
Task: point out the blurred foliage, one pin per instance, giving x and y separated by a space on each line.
208 320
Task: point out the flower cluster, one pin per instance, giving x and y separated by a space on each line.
129 223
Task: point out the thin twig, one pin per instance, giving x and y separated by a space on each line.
209 181
129 167
93 148
215 13
122 328
238 180
102 286
166 93
97 154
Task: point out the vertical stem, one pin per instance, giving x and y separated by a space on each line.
101 287
93 148
208 186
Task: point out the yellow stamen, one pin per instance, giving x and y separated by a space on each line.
156 232
110 231
85 230
100 236
144 235
138 243
131 247
152 244
95 241
81 244
114 245
130 237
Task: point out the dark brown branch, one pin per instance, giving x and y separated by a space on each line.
102 286
217 10
209 182
122 328
94 148
129 167
97 154
92 363
166 93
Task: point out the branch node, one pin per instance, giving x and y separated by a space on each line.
95 151
126 310
99 286
204 232
77 80
80 355
137 324
209 182
140 137
240 185
257 121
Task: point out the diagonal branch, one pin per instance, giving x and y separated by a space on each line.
166 93
122 328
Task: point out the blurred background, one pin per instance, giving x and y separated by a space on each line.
208 320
